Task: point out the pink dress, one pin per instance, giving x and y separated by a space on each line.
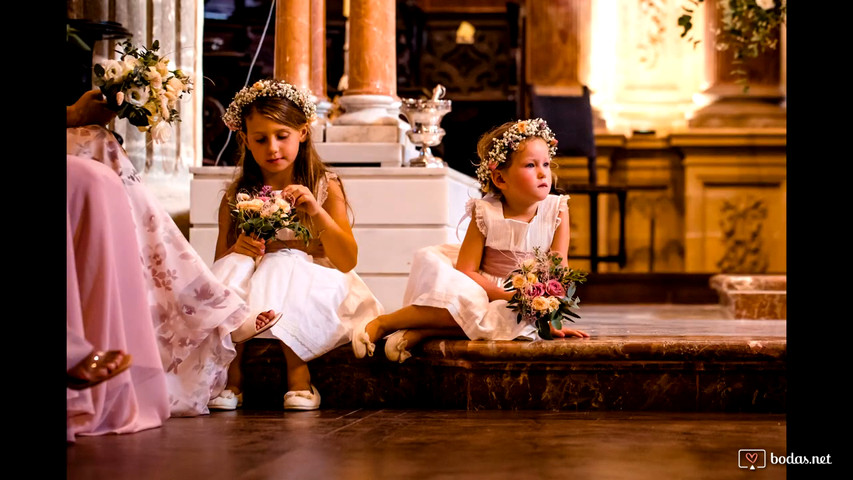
106 307
193 313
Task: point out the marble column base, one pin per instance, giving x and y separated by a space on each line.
367 110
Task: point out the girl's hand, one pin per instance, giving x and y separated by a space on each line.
248 245
566 332
302 199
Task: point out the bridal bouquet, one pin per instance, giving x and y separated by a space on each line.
263 214
544 291
141 88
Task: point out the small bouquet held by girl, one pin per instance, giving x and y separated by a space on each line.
544 291
141 88
264 213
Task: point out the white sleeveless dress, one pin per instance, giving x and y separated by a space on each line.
435 282
320 304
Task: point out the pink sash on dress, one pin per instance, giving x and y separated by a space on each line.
499 263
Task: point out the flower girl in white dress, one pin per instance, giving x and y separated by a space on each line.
313 286
458 290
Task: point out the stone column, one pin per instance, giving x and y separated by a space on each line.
557 47
292 42
318 59
729 106
372 76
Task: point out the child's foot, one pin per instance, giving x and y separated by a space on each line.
302 399
361 344
251 328
567 332
229 399
396 343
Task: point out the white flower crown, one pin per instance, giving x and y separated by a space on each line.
233 117
503 146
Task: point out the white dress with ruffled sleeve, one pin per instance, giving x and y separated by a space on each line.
320 304
435 282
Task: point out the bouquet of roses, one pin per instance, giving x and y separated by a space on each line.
263 214
141 88
544 291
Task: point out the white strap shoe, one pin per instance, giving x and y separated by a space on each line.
227 400
361 344
302 399
395 347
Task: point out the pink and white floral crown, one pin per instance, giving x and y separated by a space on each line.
503 146
233 117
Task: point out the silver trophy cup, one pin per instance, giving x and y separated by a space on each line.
424 116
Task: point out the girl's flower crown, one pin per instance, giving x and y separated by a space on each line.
233 117
503 146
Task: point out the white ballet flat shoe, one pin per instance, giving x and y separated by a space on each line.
226 400
302 399
247 330
395 347
361 344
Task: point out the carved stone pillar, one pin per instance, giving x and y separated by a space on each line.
292 42
372 76
557 47
318 59
729 106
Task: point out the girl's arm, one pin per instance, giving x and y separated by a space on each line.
331 222
560 244
245 244
470 256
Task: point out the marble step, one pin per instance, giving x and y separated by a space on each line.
639 358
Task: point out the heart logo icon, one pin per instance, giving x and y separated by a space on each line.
752 457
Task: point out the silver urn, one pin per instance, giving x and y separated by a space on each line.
424 116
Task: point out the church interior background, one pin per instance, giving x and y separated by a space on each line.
668 115
682 197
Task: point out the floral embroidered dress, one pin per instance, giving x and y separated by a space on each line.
320 304
435 282
193 312
106 307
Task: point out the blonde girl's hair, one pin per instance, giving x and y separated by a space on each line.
487 145
308 167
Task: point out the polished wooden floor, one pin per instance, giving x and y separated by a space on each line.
435 444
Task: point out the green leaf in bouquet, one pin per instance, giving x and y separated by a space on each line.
557 323
571 290
542 328
568 313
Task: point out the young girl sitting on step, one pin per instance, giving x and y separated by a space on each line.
458 290
313 286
